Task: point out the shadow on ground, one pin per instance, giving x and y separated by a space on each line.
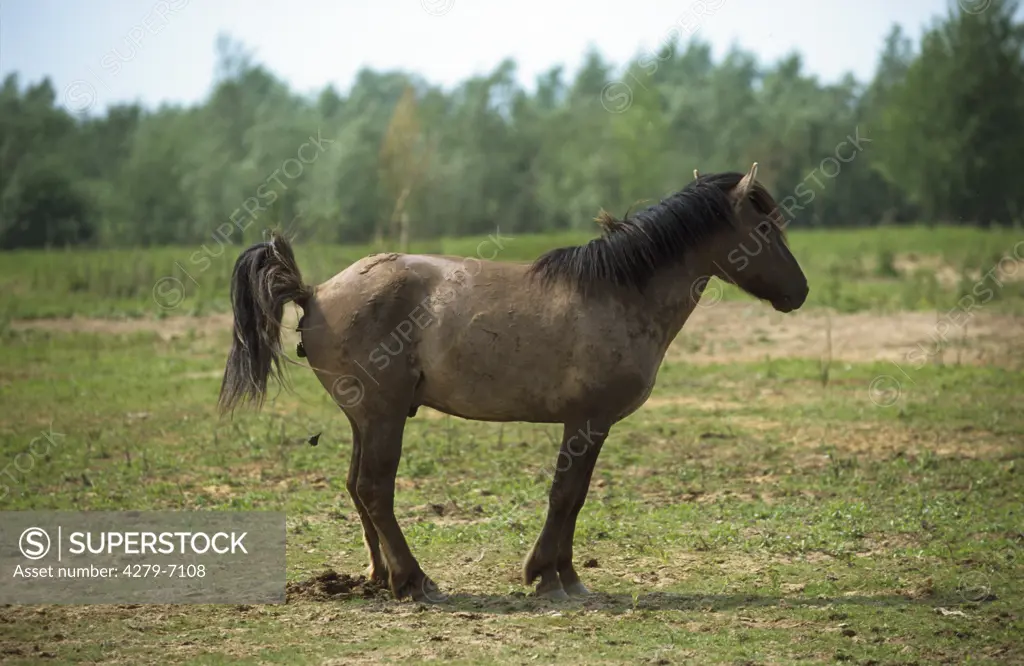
331 586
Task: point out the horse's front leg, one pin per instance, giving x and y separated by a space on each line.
551 556
566 571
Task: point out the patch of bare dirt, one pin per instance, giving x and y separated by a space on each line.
169 328
947 275
726 332
723 332
697 402
885 442
910 264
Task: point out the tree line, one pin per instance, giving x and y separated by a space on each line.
935 136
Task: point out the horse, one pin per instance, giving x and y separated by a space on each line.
575 337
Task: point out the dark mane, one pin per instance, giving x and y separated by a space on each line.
630 251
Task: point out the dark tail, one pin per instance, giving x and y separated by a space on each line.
264 279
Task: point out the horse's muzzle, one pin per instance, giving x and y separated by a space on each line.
790 302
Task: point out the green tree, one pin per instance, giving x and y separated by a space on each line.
951 134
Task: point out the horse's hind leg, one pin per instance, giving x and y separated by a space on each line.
378 570
380 452
573 469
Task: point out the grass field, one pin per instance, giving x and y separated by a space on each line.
889 268
803 488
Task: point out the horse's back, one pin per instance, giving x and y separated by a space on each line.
405 295
478 339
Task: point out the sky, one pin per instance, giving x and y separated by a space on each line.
99 52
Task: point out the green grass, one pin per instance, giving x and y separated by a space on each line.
849 270
750 513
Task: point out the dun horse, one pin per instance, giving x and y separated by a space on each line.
574 338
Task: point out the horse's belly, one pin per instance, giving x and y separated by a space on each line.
493 357
489 389
537 384
486 374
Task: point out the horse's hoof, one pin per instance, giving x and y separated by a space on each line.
554 594
577 589
427 592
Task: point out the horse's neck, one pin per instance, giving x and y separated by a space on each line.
672 294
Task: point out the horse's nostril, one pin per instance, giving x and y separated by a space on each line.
786 303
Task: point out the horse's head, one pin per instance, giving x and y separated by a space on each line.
754 254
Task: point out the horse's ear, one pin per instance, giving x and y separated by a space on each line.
745 186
